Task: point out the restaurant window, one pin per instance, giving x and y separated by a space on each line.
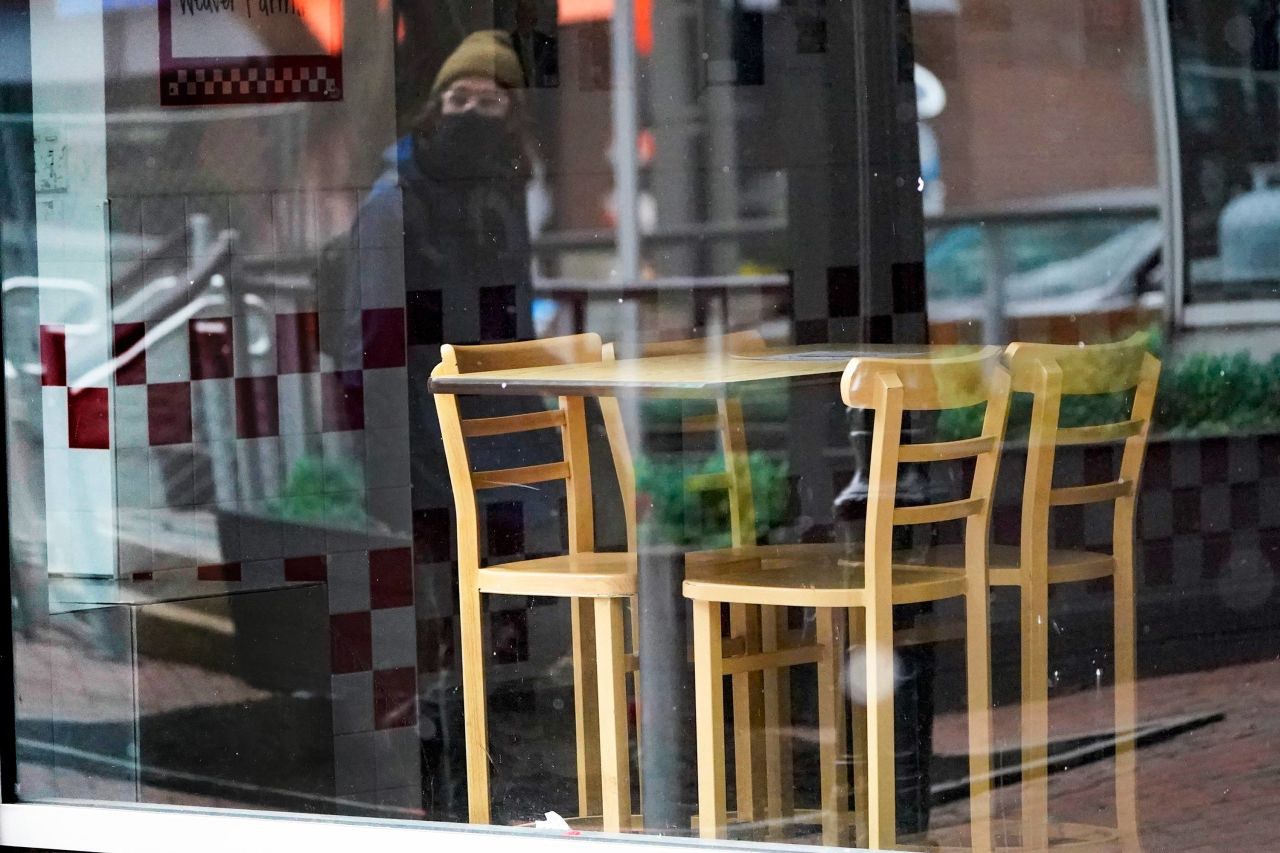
765 421
1224 62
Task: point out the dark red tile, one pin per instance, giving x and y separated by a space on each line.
1157 467
257 407
169 412
908 287
425 318
1101 464
1006 525
1218 550
390 578
1244 506
306 569
844 287
128 336
350 642
212 356
395 698
228 572
342 399
88 421
432 535
1157 565
1214 462
1068 527
510 635
498 313
811 331
436 644
298 343
53 356
504 523
1186 510
384 344
880 329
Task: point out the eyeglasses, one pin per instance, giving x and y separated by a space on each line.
493 103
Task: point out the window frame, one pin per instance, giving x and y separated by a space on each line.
143 829
1164 95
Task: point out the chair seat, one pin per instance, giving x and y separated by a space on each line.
1065 565
822 584
587 575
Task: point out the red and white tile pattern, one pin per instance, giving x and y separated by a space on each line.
239 447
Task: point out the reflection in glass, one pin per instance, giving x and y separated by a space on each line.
248 553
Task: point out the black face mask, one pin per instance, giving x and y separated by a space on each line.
468 145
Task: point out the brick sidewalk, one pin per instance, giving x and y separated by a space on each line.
1215 788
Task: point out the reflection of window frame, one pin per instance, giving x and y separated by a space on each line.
1181 312
1155 18
116 829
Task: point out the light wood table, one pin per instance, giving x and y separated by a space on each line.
667 758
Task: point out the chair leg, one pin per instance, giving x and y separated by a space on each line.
748 718
586 711
858 640
633 606
1034 629
881 763
708 669
473 706
832 699
779 780
978 675
615 752
1126 707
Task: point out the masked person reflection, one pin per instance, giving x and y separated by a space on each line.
460 181
461 172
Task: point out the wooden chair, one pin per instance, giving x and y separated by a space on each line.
596 583
762 711
1048 372
868 591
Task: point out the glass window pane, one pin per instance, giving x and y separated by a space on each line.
1225 64
744 420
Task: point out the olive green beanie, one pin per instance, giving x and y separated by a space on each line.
488 54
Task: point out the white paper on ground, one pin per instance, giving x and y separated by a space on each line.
553 821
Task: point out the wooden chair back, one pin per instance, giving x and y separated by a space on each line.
891 387
1050 371
726 420
569 417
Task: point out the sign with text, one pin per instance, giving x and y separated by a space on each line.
250 51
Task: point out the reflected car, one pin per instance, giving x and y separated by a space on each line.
1065 256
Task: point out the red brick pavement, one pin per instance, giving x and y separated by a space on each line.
1215 788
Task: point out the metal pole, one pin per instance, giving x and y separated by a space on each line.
626 188
1155 23
667 756
996 256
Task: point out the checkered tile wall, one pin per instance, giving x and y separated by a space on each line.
1207 538
240 435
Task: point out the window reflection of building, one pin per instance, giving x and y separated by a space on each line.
1044 98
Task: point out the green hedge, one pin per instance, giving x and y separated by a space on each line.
702 518
1199 394
1207 394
